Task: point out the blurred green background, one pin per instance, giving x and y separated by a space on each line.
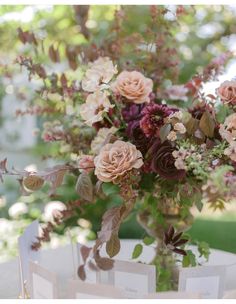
202 33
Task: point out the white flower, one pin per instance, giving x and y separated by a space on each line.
52 209
179 127
94 108
17 209
99 140
100 72
172 136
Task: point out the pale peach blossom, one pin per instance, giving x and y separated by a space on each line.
99 74
230 151
94 108
172 136
228 128
227 92
179 127
86 163
134 86
98 142
115 159
177 92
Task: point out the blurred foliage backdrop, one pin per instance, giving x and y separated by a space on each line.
201 33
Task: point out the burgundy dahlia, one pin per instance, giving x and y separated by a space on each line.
153 118
163 162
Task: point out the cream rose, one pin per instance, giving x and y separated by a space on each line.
98 142
133 86
99 74
114 160
227 92
228 129
94 108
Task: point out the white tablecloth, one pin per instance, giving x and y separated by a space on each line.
60 260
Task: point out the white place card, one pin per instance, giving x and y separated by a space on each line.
134 278
26 254
208 281
44 284
172 295
82 290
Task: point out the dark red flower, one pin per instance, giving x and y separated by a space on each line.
132 112
153 118
163 162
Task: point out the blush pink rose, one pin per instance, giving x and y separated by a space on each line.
115 159
227 92
134 86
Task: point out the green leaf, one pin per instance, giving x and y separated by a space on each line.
204 250
148 240
113 246
164 131
189 259
138 249
109 189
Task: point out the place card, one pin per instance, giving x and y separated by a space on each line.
134 278
44 283
26 254
82 290
172 295
208 281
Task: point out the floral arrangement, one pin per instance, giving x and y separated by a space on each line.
131 136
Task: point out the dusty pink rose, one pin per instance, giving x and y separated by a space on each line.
114 160
86 163
133 86
228 129
227 92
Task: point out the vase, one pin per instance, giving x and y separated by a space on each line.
165 260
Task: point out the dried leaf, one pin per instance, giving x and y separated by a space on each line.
207 124
53 54
85 251
3 168
191 125
84 187
113 246
55 176
104 263
110 224
81 273
33 182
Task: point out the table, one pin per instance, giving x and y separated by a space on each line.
60 260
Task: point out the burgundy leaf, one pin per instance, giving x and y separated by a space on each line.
85 251
81 273
177 237
180 242
180 251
